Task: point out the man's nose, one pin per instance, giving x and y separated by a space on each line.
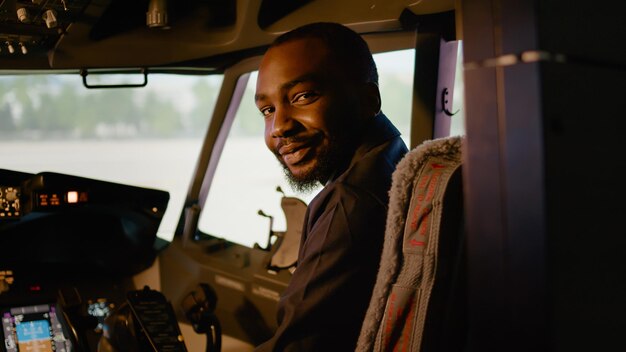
283 124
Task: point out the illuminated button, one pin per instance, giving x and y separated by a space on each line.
72 197
11 194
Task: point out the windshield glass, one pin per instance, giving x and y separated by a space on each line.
147 137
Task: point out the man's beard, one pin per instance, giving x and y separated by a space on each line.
329 161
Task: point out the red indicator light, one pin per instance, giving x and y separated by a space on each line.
54 199
34 288
43 200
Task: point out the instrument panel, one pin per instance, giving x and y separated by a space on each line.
69 248
38 327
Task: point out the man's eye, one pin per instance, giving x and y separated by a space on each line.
304 97
267 111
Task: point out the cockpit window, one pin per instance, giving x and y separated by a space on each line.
147 137
248 174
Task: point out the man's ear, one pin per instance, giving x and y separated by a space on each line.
370 99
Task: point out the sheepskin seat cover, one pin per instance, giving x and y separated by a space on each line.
397 312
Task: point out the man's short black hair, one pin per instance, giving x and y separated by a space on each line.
346 46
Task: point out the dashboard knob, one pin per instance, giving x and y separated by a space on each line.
23 15
50 16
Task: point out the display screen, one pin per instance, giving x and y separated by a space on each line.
34 328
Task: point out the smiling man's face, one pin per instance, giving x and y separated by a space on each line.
310 110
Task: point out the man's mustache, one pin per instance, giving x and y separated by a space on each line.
298 139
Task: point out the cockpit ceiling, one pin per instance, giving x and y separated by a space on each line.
74 34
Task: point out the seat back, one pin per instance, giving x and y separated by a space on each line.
418 302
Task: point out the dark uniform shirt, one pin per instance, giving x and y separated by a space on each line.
323 307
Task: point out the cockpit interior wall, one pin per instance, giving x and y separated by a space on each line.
545 267
123 16
247 282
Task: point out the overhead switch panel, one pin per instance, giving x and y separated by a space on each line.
35 26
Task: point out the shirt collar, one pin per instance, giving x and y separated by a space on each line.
378 131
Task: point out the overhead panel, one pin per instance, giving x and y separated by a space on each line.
32 28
